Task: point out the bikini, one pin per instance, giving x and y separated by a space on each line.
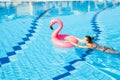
106 49
102 48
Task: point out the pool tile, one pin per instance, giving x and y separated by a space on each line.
17 48
28 42
78 64
61 76
24 46
31 31
21 43
11 53
26 39
74 71
34 24
32 38
29 35
69 68
74 61
36 30
4 60
13 58
33 27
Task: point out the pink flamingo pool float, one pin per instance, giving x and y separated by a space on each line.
60 40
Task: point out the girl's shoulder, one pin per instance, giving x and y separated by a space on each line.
91 45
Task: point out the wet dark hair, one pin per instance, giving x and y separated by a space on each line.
89 39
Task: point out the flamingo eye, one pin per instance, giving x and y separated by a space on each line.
52 22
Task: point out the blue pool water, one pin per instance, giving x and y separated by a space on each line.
26 50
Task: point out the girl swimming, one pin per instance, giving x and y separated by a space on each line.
88 40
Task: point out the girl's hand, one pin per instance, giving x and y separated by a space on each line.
73 36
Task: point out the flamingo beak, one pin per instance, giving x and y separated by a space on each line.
51 23
51 27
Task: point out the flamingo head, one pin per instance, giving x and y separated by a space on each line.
53 21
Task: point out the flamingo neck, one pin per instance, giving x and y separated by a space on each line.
56 32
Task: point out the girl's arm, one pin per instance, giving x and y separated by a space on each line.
77 45
81 40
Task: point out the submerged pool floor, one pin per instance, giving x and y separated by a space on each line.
32 56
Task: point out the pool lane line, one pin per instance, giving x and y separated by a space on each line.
95 26
96 30
5 60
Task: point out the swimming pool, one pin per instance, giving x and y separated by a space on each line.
27 53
